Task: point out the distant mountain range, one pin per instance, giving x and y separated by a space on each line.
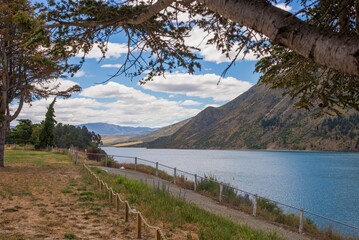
263 119
112 129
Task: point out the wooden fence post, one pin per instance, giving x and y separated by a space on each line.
195 183
135 163
110 195
76 156
118 202
126 211
156 169
174 175
139 226
220 192
301 220
254 205
158 234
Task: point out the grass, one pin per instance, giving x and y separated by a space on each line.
126 144
38 158
52 198
69 236
159 206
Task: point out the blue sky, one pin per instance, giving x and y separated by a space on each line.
161 102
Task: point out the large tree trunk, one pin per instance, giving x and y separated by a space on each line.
2 143
334 50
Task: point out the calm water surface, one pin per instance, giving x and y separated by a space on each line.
321 182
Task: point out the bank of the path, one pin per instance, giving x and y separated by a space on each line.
207 204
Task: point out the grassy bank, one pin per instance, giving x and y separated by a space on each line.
174 215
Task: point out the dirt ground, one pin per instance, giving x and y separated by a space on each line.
55 202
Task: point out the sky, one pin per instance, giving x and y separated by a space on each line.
164 101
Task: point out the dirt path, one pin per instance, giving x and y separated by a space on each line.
208 204
71 208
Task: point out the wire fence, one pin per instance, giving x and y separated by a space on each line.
292 217
114 197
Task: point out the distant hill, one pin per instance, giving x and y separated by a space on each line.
112 129
112 140
161 132
264 119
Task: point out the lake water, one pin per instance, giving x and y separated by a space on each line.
325 183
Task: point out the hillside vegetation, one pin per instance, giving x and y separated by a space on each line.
264 119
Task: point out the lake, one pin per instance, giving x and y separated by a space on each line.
326 183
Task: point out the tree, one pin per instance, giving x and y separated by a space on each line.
47 134
22 133
80 137
29 61
324 37
35 136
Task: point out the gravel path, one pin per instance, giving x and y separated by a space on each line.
207 204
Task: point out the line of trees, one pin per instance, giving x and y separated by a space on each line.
49 133
64 135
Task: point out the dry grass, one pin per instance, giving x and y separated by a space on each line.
127 144
43 196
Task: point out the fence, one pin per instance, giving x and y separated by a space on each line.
114 197
258 206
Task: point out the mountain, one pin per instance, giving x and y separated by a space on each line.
112 129
162 132
264 119
113 140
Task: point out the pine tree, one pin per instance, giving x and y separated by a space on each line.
47 134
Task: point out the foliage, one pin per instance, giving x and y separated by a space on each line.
68 135
157 43
312 86
316 87
47 138
29 61
22 133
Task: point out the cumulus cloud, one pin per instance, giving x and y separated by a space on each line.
284 7
111 65
190 103
198 38
203 86
129 107
114 50
80 73
61 84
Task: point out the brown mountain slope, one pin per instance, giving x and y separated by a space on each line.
264 119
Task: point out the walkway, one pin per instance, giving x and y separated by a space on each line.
208 204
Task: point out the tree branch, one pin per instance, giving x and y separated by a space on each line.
18 110
328 48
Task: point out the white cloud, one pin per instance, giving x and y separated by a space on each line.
79 74
130 107
61 84
190 103
203 86
284 7
111 65
114 50
198 38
